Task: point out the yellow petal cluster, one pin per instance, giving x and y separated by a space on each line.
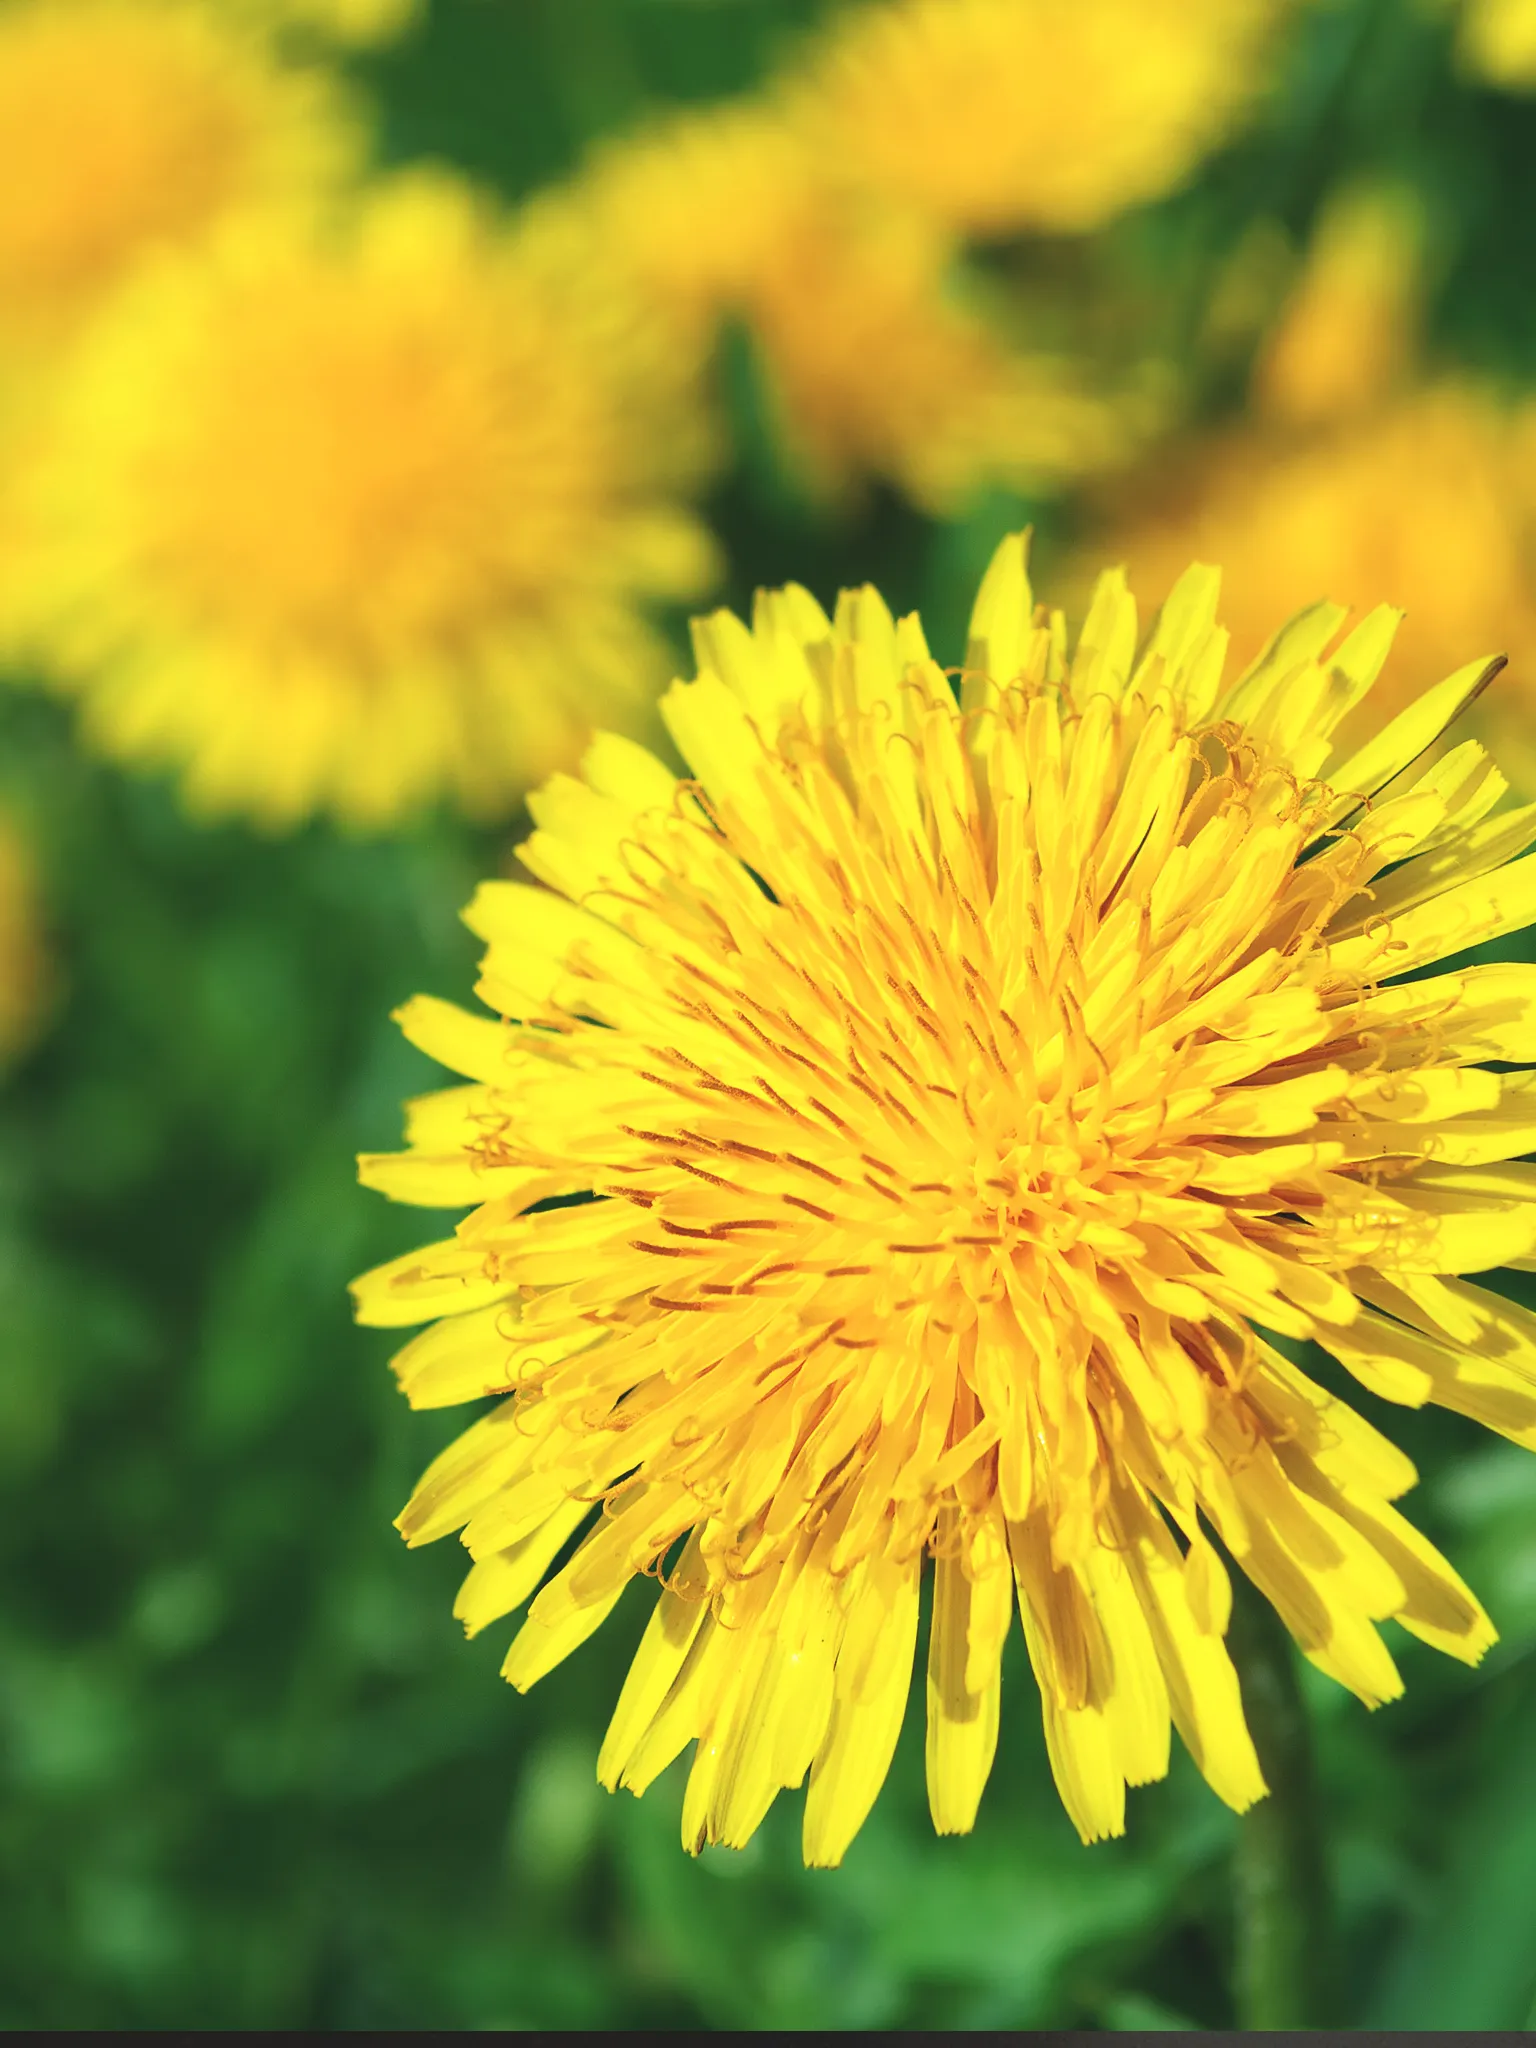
995 116
127 126
916 1133
348 515
356 22
1498 42
880 356
1427 503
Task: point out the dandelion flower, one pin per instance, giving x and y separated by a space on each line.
879 356
1347 335
1498 42
960 1099
352 519
130 125
1067 114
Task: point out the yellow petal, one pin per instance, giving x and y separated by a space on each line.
464 1357
1413 1367
962 1722
538 1646
1002 619
1407 736
476 1046
1106 646
869 1703
1203 1691
669 1636
439 1280
497 1584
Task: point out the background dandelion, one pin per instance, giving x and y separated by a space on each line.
874 353
870 282
347 513
1070 115
1498 43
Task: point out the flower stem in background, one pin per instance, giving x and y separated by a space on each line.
1281 1896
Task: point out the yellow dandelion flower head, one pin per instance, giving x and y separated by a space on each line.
880 357
954 1091
1068 114
1498 42
1346 335
1425 504
349 518
26 973
127 125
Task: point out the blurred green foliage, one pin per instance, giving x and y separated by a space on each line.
253 1776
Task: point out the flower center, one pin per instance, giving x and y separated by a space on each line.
346 467
987 1072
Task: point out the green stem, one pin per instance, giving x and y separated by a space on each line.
1280 1879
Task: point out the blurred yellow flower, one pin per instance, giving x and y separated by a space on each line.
992 116
957 1089
1428 505
26 977
357 22
880 362
130 125
701 207
879 357
351 518
1498 42
1348 332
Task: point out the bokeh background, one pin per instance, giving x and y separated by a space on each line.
632 305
